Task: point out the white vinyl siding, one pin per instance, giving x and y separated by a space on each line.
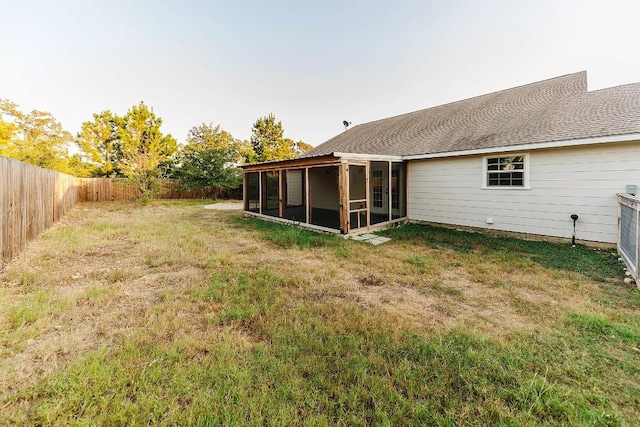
581 180
323 183
294 187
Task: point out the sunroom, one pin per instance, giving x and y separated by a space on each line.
338 193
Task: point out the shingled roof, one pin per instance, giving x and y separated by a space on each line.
557 109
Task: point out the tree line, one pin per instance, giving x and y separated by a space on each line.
133 146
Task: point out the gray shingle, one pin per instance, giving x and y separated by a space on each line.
551 110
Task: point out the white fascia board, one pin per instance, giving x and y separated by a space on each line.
532 146
360 156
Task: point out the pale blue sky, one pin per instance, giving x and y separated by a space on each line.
312 64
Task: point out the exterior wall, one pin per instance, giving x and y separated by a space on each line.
581 180
323 189
294 187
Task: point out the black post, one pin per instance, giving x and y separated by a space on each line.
574 217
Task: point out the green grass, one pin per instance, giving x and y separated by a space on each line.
598 328
287 236
325 373
596 264
257 324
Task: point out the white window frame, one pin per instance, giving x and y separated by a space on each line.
525 175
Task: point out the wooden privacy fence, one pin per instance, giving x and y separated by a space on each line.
117 189
32 199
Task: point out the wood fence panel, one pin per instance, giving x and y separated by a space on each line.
118 189
106 190
31 200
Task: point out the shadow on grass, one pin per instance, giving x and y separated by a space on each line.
287 236
596 264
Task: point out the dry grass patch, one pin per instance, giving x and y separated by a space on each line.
87 283
173 314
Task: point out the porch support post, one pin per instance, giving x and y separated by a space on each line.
307 195
260 192
389 192
245 200
343 194
281 195
368 192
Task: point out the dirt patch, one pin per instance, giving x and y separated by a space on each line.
453 299
225 206
371 281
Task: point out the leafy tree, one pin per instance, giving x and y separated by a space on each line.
36 138
210 159
144 152
99 141
6 134
303 147
269 143
246 151
78 167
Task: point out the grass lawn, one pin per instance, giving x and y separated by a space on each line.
170 314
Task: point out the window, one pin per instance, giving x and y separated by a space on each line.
507 171
377 188
395 189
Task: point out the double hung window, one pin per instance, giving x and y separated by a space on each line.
506 171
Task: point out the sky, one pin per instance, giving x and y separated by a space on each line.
312 64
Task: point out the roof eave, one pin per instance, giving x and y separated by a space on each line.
364 156
530 146
289 163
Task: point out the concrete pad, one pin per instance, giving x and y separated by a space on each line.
365 236
225 206
382 239
370 238
378 240
359 237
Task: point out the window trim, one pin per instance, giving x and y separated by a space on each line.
526 172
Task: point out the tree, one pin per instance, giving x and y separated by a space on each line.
6 134
78 167
246 152
99 141
36 138
144 152
303 147
210 159
269 143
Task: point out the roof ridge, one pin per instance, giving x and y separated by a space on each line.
564 76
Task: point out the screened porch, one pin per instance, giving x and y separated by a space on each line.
335 193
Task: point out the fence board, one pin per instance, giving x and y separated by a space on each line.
118 189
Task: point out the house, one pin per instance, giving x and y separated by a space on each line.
519 160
